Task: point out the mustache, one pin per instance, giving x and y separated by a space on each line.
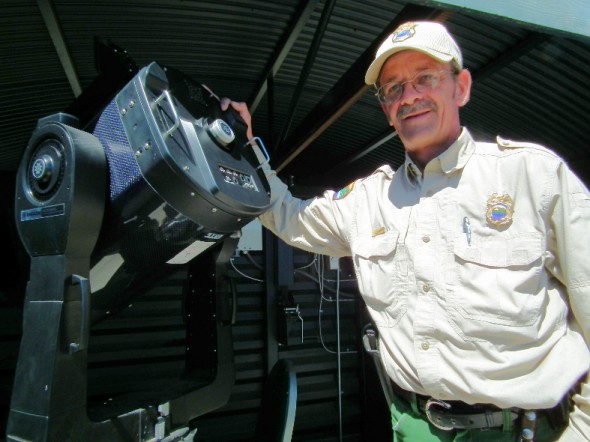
408 109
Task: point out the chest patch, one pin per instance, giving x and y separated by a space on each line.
500 209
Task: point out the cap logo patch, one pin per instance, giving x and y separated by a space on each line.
343 192
499 210
404 32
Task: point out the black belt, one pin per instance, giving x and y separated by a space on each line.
442 415
451 415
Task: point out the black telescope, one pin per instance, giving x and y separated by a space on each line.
161 177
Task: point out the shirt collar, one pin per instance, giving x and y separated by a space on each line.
413 174
452 159
458 153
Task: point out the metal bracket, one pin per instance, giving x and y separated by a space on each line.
294 311
165 94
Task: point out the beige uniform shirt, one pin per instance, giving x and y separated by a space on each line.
476 272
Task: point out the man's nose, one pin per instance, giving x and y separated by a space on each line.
409 93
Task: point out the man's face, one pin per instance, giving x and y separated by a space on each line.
427 122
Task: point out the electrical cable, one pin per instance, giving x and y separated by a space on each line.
320 270
315 257
320 267
231 261
330 289
252 260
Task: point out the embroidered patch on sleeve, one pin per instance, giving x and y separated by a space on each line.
344 192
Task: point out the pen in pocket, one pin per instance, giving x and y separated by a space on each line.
467 230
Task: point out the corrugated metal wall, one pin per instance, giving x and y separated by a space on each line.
141 348
309 341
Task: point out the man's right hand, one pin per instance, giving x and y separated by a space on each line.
241 108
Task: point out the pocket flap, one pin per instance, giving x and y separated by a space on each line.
516 251
380 245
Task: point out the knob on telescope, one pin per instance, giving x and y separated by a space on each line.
45 169
221 132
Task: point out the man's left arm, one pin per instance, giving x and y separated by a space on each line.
571 223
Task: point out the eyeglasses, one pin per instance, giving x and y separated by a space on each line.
423 81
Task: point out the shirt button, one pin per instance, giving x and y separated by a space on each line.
425 346
426 239
426 288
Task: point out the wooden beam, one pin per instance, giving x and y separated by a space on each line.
50 19
347 91
281 54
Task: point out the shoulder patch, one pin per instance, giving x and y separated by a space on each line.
344 192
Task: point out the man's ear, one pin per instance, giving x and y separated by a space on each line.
463 91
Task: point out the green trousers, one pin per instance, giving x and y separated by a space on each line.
411 425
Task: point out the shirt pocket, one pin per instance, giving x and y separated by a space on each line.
381 268
499 288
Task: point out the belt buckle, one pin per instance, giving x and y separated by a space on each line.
436 402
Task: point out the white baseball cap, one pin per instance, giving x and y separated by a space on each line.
430 38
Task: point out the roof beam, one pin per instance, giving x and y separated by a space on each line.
277 61
52 25
383 138
521 48
347 91
309 60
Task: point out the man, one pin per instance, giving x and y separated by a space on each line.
471 259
